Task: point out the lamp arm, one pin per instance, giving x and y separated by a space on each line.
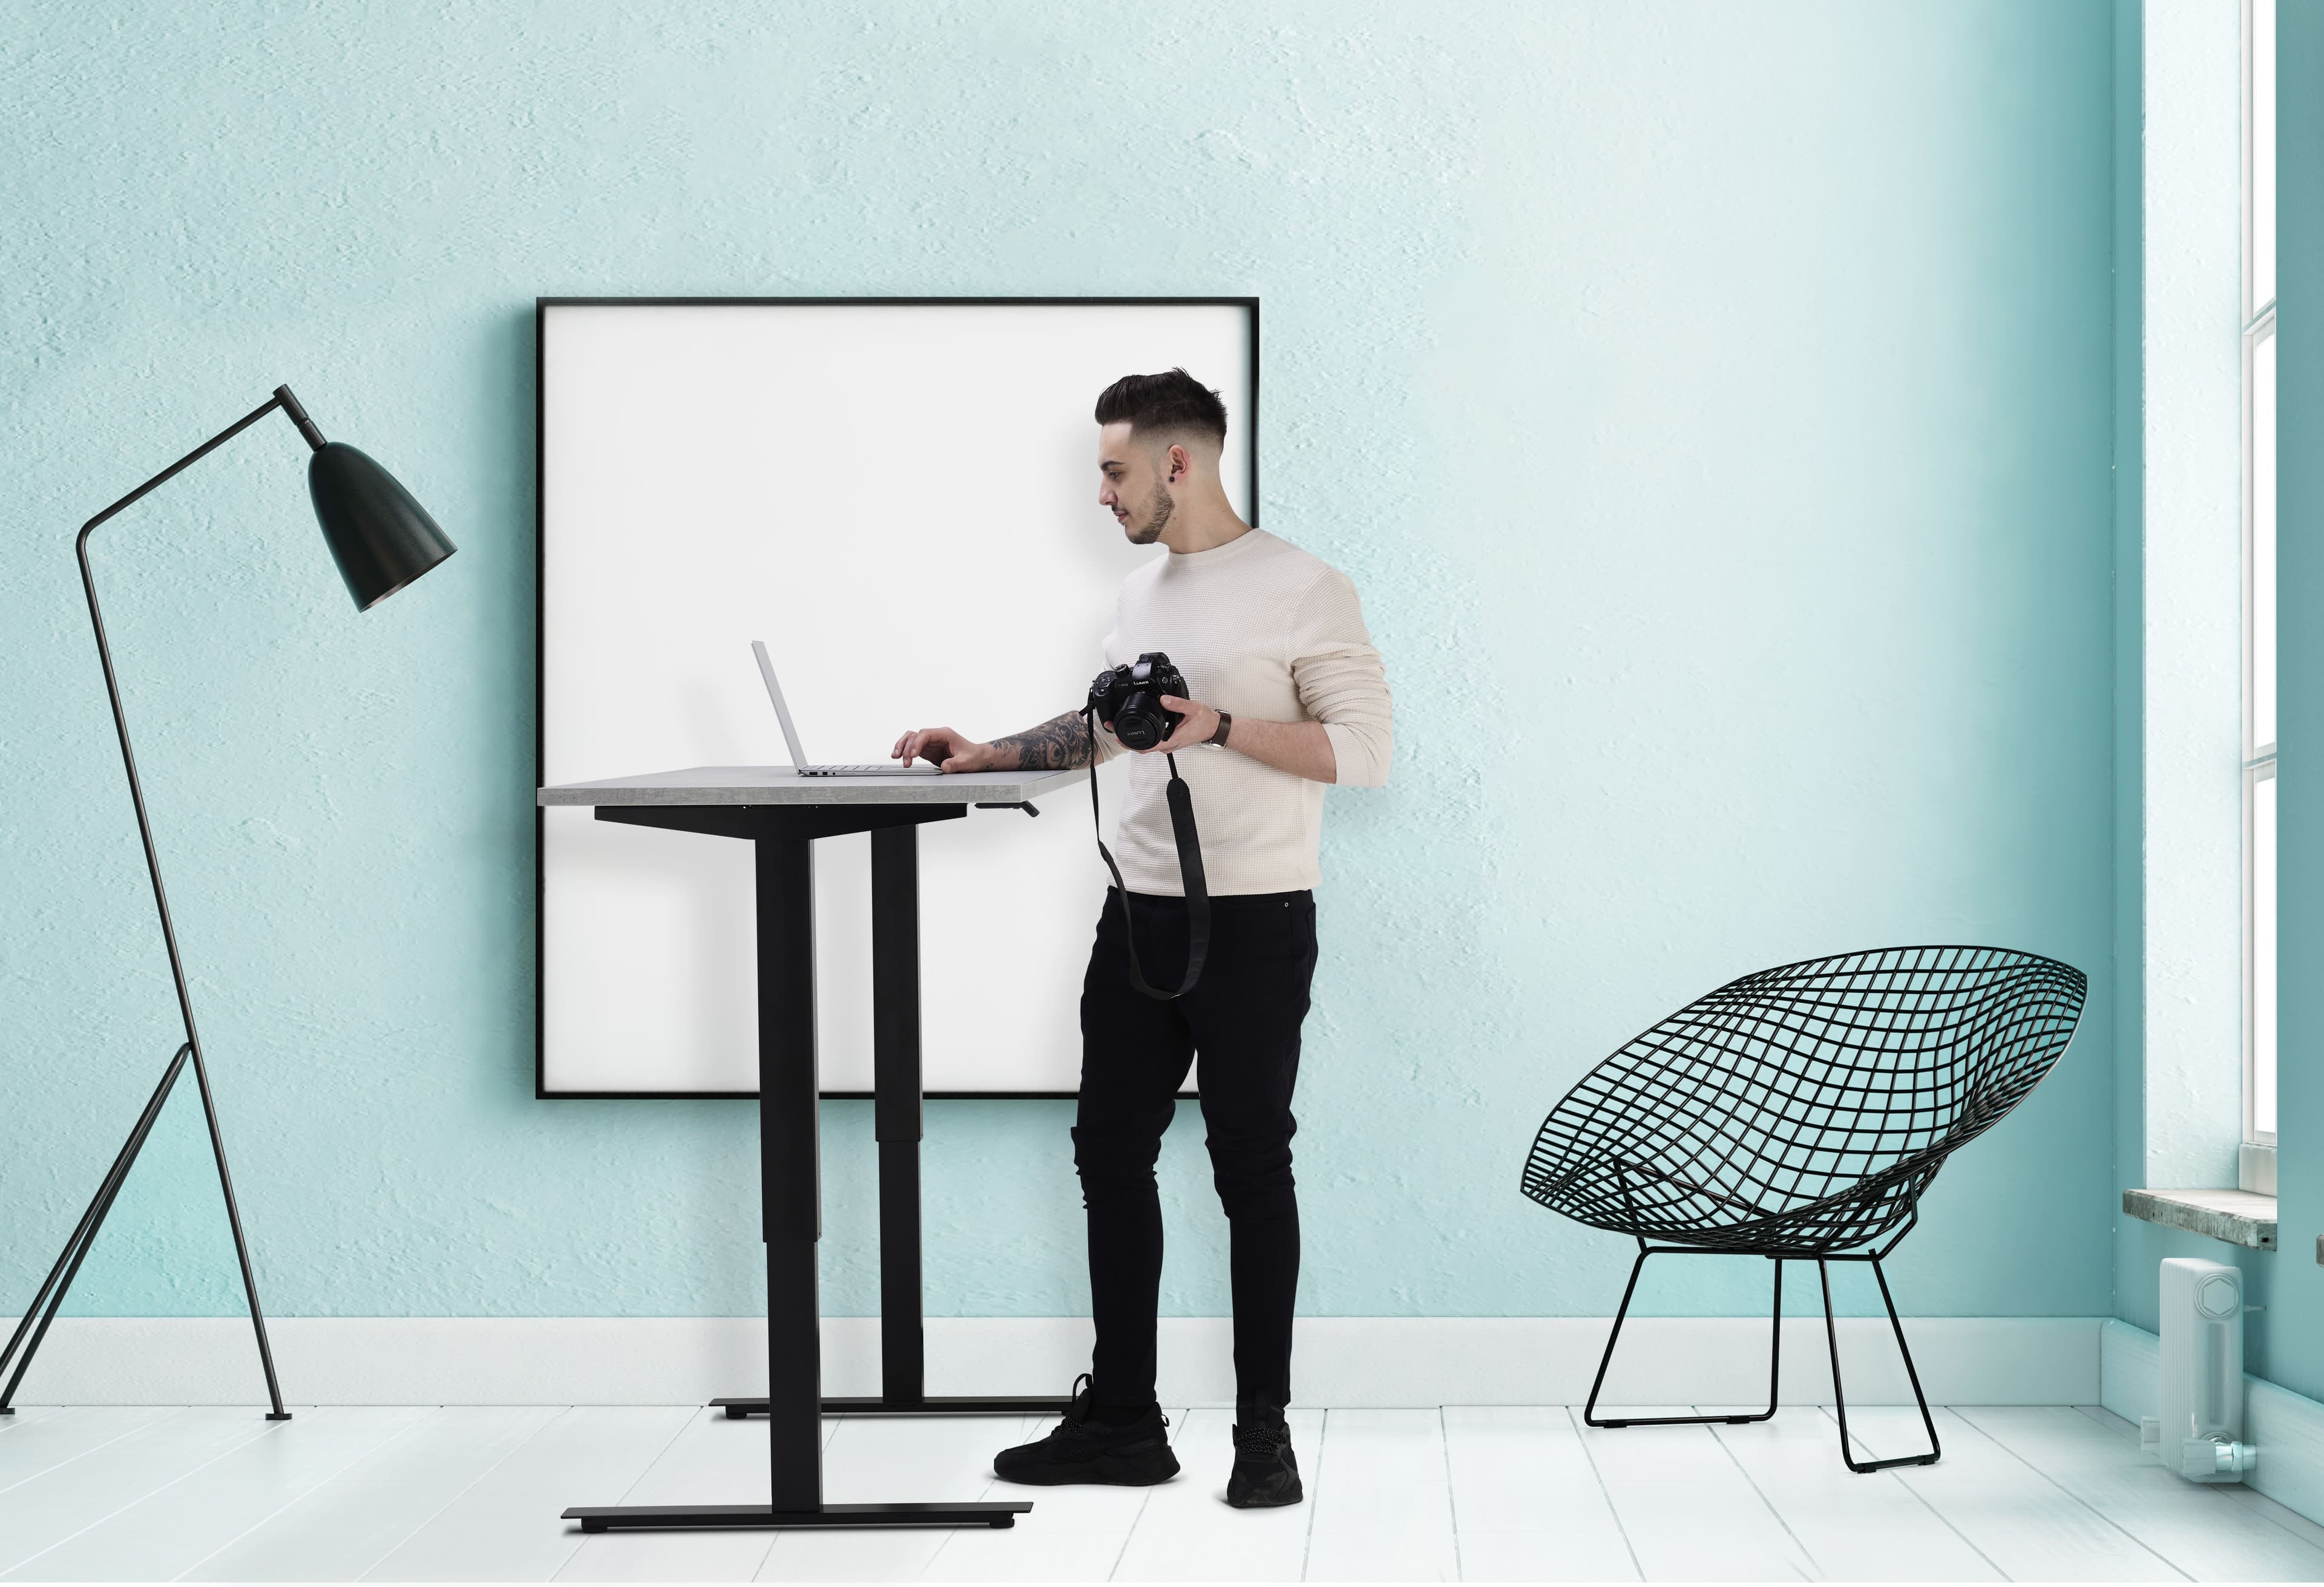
113 687
188 460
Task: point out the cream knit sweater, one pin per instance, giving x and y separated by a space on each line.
1261 629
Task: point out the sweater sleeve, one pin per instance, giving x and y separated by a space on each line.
1340 680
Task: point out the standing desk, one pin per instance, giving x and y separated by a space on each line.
780 814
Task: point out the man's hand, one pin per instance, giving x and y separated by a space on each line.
1059 744
1196 723
953 751
1301 749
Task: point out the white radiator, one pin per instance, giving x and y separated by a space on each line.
2199 1434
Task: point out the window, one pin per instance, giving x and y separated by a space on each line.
2259 592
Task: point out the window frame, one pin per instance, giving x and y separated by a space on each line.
2259 760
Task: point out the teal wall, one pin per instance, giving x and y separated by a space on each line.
1715 405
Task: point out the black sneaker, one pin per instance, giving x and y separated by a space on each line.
1266 1473
1083 1449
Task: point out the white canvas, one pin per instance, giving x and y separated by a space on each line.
901 501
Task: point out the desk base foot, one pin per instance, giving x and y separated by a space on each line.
934 1405
699 1517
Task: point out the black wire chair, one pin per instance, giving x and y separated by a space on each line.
1799 1113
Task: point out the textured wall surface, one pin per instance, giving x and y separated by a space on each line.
1711 402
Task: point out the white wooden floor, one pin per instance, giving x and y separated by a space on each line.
1475 1493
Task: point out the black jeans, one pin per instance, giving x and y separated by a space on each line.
1243 1019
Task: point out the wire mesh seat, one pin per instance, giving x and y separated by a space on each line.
1799 1113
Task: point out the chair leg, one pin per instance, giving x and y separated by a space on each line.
1775 1362
1839 1397
1775 1350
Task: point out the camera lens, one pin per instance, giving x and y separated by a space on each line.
1140 724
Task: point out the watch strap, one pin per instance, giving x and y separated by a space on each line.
1226 720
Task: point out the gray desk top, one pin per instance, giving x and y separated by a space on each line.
779 784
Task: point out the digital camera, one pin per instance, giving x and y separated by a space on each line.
1130 700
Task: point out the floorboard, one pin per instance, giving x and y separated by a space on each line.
1851 1525
2012 1513
714 1460
1687 1510
2189 1524
904 1459
39 1440
1527 1503
184 1521
343 1526
507 1525
1383 1499
1185 1533
60 1503
1476 1493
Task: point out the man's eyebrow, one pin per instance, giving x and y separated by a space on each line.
1109 463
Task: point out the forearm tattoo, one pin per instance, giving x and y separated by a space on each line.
1059 744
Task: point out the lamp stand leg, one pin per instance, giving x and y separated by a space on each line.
52 1295
240 1246
50 1300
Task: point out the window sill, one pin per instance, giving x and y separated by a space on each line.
2240 1217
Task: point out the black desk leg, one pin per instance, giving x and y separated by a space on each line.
790 1176
895 1109
896 1082
791 1214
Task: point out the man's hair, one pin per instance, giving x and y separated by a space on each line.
1159 404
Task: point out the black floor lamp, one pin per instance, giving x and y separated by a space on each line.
382 540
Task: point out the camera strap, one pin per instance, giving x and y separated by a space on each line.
1181 800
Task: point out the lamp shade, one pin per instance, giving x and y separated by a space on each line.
379 536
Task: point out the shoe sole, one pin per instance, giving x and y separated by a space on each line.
1278 1503
1105 1472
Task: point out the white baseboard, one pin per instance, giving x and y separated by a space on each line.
1340 1361
2288 1427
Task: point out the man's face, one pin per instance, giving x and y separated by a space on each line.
1132 483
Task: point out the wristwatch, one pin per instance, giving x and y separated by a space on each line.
1226 720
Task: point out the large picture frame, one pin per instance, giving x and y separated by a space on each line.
1032 340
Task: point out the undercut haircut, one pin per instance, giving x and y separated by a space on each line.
1165 404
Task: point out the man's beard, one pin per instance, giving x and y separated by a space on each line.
1159 508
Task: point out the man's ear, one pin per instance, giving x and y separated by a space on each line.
1181 465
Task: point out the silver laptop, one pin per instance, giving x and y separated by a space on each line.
798 756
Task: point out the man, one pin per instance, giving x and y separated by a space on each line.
1290 696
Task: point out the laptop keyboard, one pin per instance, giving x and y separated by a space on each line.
889 770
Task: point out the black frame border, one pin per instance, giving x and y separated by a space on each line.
541 305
